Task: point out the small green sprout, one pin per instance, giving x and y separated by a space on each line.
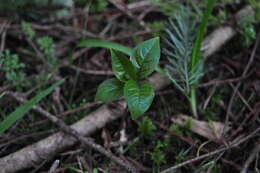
13 68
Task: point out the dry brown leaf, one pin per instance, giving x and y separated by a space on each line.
211 130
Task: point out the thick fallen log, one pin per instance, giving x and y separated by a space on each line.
42 150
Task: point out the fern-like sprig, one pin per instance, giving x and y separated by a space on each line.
185 66
180 36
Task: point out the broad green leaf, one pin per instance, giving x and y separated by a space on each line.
109 90
105 44
139 97
22 110
146 56
122 66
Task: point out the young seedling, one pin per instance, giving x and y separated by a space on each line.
13 68
185 65
130 76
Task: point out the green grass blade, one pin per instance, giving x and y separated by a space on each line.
22 110
105 44
196 52
201 31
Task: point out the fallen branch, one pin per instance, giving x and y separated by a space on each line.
38 152
86 141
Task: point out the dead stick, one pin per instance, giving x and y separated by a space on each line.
251 158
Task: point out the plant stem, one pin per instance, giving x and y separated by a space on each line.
196 51
193 101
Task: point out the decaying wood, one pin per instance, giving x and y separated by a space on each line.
40 151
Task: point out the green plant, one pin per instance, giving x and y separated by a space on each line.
247 29
146 127
22 110
99 5
180 41
184 129
256 5
195 57
179 70
185 65
130 75
46 52
158 156
28 30
10 64
47 46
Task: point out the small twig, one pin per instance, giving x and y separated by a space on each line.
86 106
4 88
35 48
4 27
221 82
241 125
129 14
84 163
208 99
54 166
92 72
67 29
139 4
72 111
17 139
251 158
3 38
79 163
84 140
129 34
243 100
